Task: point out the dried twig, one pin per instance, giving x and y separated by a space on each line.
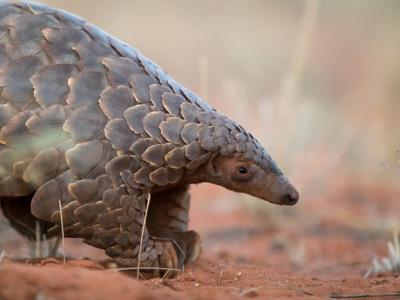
397 294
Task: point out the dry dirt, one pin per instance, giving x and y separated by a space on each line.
319 249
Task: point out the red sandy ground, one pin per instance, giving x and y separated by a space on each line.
320 248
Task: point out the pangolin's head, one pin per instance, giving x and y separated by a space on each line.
239 163
244 175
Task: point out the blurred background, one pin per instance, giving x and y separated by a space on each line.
318 82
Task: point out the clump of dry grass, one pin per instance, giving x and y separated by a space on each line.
389 263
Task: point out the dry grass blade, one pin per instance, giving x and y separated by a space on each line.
31 9
220 277
306 28
52 251
181 251
142 234
38 245
2 255
62 230
166 274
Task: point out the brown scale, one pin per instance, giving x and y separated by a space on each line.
89 122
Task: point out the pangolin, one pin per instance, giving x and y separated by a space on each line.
94 134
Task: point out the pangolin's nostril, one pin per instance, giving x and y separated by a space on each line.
290 198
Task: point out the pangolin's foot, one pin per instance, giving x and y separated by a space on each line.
163 257
158 258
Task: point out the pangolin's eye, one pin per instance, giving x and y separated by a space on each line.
241 173
242 170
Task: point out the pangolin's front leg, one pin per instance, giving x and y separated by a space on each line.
168 219
107 217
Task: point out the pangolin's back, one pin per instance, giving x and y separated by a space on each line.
73 98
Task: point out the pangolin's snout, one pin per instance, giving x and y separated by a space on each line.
291 196
277 190
283 191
